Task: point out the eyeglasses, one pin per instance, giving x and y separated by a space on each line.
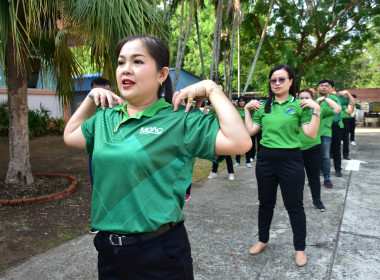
279 80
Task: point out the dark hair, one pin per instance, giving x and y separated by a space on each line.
100 82
160 53
242 98
292 89
305 90
339 90
326 81
353 95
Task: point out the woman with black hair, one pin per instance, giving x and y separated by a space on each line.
143 157
280 160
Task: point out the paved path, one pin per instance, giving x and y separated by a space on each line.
342 243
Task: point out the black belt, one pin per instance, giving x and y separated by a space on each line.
122 240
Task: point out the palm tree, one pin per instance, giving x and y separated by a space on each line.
29 29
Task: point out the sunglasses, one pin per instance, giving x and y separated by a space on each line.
279 80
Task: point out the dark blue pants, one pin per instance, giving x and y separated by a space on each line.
312 161
284 167
346 137
166 257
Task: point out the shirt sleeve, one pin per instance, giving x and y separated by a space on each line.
326 112
257 115
305 117
88 130
200 132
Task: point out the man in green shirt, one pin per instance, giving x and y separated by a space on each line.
347 102
325 88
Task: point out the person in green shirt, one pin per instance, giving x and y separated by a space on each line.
143 157
347 102
311 148
279 161
357 107
242 101
325 89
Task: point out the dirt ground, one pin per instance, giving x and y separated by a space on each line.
26 230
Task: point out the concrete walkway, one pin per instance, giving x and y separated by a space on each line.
342 243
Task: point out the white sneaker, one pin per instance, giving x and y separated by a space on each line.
212 175
341 142
231 176
249 165
251 159
353 143
236 164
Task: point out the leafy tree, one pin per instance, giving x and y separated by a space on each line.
29 30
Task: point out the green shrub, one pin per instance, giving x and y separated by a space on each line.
39 121
4 118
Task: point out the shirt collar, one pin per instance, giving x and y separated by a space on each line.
159 105
291 98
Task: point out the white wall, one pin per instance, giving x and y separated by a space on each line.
50 102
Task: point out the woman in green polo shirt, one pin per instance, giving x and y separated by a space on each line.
143 157
311 148
280 160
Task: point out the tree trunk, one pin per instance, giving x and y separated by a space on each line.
200 44
259 48
218 42
232 51
177 69
216 38
239 90
19 168
179 65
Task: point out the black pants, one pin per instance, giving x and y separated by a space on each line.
230 168
346 137
336 146
312 161
284 167
167 256
352 129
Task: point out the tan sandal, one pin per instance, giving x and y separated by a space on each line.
258 248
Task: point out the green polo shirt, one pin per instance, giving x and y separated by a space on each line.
325 125
344 103
142 167
241 113
281 127
306 142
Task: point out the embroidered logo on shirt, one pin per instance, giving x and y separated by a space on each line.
151 130
289 111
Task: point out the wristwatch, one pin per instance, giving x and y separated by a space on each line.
317 114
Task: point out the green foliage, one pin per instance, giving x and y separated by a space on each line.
39 121
4 118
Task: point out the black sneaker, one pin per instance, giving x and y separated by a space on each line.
328 184
347 158
338 173
93 231
319 206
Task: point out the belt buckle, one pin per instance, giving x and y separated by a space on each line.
120 243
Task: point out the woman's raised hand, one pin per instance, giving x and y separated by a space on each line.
103 97
309 103
253 105
198 92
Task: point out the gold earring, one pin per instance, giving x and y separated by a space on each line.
161 83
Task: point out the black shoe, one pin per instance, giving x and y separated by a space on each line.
346 158
328 184
93 231
338 174
319 206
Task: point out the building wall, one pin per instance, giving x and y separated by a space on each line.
47 98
